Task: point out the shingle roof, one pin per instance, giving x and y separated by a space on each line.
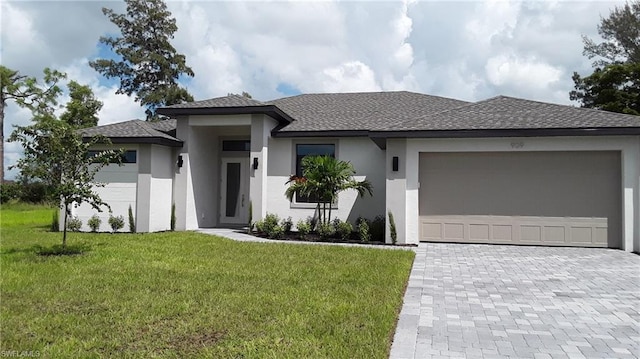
504 112
358 111
136 131
226 101
387 114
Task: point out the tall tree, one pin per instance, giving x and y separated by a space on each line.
148 65
614 84
55 153
82 109
26 92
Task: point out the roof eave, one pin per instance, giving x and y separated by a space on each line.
144 140
528 132
270 110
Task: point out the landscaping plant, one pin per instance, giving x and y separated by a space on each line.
343 228
74 224
363 230
323 178
392 229
116 223
94 223
132 221
304 228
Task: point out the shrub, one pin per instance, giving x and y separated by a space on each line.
377 229
132 221
116 223
326 230
269 226
173 217
363 230
287 224
55 221
276 232
250 224
392 229
9 191
304 228
343 228
94 223
74 224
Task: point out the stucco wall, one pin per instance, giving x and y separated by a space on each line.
119 192
367 159
407 179
160 190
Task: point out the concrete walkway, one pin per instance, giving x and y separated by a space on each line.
484 301
240 235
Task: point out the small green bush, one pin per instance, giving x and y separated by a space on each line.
287 224
304 228
392 229
173 217
116 223
55 221
343 228
10 191
377 229
132 221
326 230
270 227
363 230
74 224
94 223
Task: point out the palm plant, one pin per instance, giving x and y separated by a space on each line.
323 178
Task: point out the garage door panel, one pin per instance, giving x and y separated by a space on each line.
560 231
543 198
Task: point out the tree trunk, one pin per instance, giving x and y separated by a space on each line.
330 205
64 230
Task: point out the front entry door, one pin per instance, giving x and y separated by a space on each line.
234 199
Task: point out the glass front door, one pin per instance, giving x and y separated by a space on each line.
234 204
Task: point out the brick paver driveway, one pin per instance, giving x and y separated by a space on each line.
484 301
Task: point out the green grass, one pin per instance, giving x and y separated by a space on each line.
192 295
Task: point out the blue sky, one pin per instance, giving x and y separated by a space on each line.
470 50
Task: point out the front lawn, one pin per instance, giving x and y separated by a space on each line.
192 295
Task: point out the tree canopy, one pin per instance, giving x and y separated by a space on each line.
28 93
614 84
323 178
82 110
148 65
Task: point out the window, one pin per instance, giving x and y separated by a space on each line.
130 156
303 150
236 145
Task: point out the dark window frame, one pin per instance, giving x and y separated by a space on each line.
128 156
329 149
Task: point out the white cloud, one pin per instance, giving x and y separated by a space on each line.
352 76
467 50
527 72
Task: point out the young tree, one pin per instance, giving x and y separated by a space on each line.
26 92
82 109
149 66
55 152
324 177
615 83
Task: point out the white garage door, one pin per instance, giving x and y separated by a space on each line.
545 198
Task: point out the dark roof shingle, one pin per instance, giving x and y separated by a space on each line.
232 100
358 111
508 113
134 131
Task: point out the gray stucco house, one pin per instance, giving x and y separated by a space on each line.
502 170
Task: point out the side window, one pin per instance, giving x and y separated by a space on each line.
130 156
303 150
